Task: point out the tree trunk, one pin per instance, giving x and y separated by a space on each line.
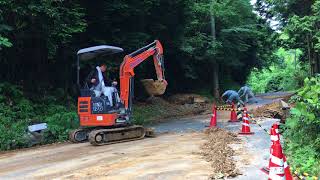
215 68
313 57
309 56
215 74
317 63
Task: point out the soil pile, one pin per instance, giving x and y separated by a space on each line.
187 99
217 151
154 87
167 109
272 110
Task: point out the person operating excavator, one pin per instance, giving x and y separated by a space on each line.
98 82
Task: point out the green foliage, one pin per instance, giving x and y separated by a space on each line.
60 123
38 36
53 21
5 42
14 116
300 21
235 30
17 112
302 129
226 34
144 114
283 75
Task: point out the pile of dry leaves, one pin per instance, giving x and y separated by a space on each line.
216 150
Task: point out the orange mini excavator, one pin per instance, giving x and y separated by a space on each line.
101 123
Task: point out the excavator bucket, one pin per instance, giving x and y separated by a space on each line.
154 87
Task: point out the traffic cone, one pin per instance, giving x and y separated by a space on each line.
245 130
233 114
275 138
286 167
275 126
213 121
276 164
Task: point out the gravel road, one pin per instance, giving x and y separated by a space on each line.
171 155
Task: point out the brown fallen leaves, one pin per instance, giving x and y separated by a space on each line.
216 150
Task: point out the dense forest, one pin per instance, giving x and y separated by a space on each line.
209 46
39 39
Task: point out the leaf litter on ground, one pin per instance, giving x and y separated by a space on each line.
217 151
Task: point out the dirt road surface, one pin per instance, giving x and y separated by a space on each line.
171 155
166 157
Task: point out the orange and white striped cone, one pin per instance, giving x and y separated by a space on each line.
286 167
233 114
245 130
213 121
276 127
276 164
275 138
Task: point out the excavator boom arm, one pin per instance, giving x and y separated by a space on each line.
133 60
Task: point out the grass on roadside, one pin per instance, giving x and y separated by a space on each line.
144 114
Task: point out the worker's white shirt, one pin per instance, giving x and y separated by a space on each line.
101 84
106 90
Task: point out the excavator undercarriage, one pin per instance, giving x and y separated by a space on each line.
116 135
102 136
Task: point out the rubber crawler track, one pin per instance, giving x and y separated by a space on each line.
73 133
117 135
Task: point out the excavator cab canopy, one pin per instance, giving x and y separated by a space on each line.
93 52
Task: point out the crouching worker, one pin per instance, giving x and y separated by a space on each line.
231 96
101 86
246 93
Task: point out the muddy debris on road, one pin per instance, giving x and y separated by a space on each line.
217 151
274 110
268 111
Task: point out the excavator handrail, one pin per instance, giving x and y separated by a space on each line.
142 49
